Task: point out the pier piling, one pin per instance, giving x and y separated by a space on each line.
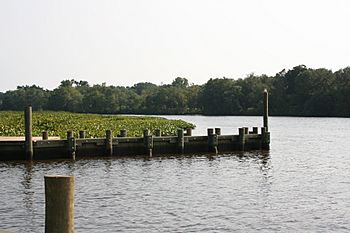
180 141
123 133
59 204
266 110
158 132
241 136
82 134
71 144
148 142
109 142
188 132
28 133
213 140
45 135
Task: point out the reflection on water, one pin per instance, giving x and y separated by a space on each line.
299 185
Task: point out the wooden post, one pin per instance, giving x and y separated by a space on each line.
265 139
45 135
158 132
246 130
180 141
109 142
123 133
71 144
148 142
59 204
28 133
217 131
255 130
189 132
212 141
82 134
266 110
241 137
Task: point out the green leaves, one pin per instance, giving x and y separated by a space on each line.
58 123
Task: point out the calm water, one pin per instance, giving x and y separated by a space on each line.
302 184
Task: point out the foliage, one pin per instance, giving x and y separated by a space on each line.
58 123
300 91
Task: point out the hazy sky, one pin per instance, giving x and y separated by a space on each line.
125 42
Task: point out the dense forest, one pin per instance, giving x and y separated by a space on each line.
300 91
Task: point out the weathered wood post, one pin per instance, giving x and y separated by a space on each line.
265 139
212 141
59 204
71 144
148 142
189 132
158 132
82 134
45 135
109 142
255 130
246 130
266 110
28 144
241 139
123 133
217 131
180 141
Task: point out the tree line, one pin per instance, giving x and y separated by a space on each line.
300 91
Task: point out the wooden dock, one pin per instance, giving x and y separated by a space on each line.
149 145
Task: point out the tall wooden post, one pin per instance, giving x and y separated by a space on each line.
59 204
266 110
109 142
28 133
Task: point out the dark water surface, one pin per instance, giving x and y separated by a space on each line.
302 184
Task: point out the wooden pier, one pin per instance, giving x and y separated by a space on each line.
148 145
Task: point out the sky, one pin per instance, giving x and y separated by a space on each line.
124 42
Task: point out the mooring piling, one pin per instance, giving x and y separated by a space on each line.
158 132
241 136
45 135
82 134
109 142
71 145
123 133
265 139
59 204
28 133
148 142
266 110
189 132
212 140
180 141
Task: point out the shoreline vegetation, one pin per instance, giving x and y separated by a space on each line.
95 125
300 91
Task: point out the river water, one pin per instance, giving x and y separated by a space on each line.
301 185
